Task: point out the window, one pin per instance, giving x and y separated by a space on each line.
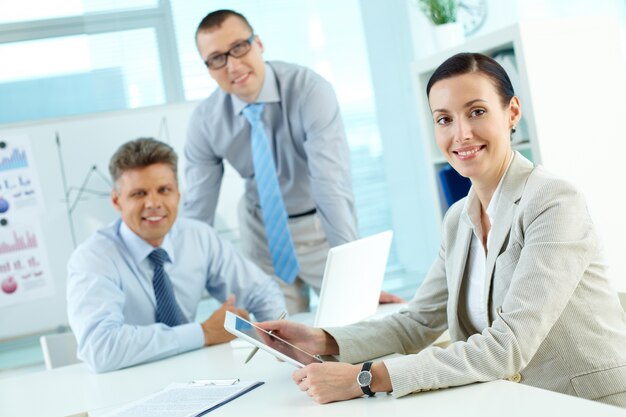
101 72
25 11
85 56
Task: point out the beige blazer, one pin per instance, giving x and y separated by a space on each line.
555 322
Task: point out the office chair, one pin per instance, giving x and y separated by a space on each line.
59 349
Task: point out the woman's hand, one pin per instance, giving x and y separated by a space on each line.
312 340
329 381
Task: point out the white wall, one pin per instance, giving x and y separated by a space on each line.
502 13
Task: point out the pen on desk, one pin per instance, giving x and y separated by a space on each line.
205 382
256 349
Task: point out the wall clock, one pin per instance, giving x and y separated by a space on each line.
472 14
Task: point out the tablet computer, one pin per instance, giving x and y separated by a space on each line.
263 339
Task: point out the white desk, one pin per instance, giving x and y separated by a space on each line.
73 389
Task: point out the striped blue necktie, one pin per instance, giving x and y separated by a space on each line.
279 239
167 312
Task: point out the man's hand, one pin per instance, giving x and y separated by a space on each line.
389 298
312 340
213 327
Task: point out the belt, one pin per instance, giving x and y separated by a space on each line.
306 213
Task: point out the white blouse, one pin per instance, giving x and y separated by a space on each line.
475 279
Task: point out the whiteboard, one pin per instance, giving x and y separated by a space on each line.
86 144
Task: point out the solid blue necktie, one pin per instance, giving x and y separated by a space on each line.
273 210
168 312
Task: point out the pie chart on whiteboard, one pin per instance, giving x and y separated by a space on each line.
4 205
9 285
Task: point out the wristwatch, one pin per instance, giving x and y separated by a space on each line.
364 379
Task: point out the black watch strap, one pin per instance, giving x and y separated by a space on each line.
366 388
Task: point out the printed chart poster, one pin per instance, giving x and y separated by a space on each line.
24 270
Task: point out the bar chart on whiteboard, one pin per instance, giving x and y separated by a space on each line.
24 270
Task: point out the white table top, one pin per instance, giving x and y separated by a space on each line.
73 389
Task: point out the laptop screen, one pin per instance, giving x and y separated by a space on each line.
352 280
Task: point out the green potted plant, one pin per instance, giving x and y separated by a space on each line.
439 12
443 13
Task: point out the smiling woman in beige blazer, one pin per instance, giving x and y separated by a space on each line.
519 280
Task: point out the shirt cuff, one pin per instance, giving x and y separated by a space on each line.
190 336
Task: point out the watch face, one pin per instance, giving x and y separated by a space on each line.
364 378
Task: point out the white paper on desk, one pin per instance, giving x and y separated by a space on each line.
184 400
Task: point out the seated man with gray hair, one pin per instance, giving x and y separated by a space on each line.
134 286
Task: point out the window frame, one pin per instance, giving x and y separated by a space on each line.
158 18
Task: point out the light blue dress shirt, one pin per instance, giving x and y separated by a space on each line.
307 140
111 302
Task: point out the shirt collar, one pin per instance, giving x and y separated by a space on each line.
138 248
491 210
471 209
268 94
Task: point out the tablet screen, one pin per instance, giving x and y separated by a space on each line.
274 342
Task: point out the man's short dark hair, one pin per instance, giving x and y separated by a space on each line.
140 153
215 19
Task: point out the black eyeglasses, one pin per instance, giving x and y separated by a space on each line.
237 51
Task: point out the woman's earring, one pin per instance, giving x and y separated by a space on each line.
513 129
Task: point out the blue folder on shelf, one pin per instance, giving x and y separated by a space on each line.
453 185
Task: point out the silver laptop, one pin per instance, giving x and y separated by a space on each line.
352 280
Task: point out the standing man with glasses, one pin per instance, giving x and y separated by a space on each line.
279 126
134 286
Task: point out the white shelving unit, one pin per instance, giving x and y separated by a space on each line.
508 39
572 84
